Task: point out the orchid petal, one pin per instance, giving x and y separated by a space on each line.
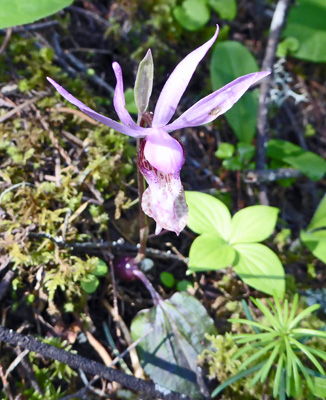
163 151
135 131
177 84
119 99
164 199
217 103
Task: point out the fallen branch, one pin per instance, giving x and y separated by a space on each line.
88 366
270 175
119 247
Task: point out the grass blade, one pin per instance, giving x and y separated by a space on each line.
249 315
294 308
251 323
265 370
277 379
273 321
306 351
303 315
236 378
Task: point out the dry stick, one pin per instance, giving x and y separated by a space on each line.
119 248
6 40
86 365
262 123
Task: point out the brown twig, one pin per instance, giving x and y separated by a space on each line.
88 366
262 122
6 40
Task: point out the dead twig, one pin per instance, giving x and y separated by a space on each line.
88 366
6 40
262 122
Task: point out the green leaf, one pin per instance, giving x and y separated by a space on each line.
210 252
167 279
20 12
288 46
237 61
225 150
253 224
320 387
101 268
183 285
192 14
306 23
316 243
319 218
208 214
227 9
168 353
89 283
144 83
307 162
259 267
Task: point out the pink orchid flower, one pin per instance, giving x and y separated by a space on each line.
161 157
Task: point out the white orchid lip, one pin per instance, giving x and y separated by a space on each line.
163 153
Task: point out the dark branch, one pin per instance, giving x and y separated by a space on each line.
88 366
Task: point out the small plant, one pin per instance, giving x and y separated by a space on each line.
279 345
226 241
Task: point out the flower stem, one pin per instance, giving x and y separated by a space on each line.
143 119
143 227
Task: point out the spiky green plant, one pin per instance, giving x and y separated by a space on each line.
278 348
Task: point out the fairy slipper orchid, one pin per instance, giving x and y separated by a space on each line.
161 156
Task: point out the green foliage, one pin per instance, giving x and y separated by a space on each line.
307 162
169 351
17 12
315 235
224 241
279 347
54 204
306 26
236 159
167 279
49 374
194 14
237 61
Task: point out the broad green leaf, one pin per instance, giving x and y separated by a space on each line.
319 218
259 267
227 9
306 23
20 12
100 269
208 215
192 14
89 283
316 243
144 82
225 150
210 252
168 354
253 224
319 387
307 162
230 60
